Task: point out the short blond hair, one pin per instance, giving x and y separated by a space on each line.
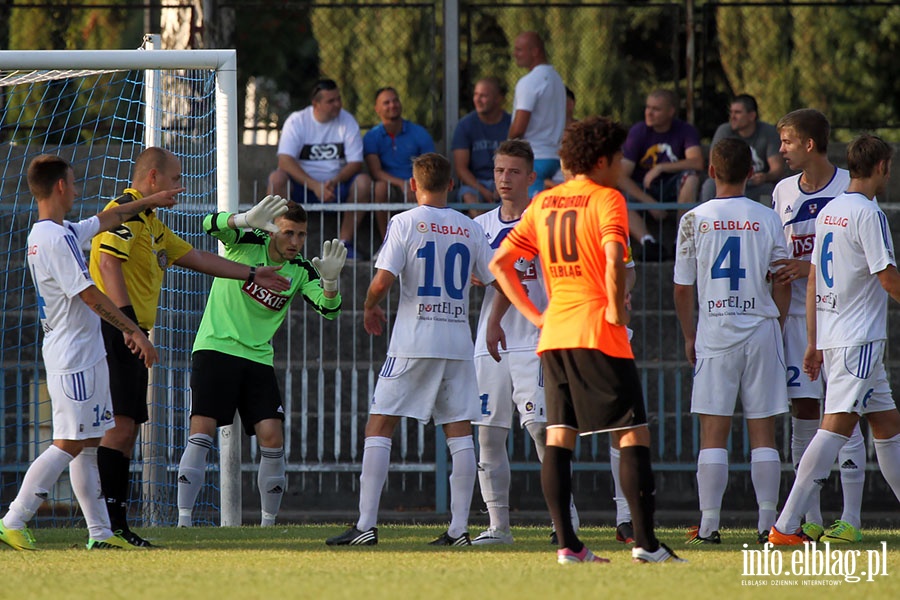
432 172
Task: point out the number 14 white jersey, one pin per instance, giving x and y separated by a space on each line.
72 339
434 251
727 247
853 243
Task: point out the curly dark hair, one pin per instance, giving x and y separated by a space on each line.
586 141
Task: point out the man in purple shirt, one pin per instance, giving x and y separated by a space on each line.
661 161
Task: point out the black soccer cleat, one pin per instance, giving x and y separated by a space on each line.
554 539
446 540
134 539
625 532
355 537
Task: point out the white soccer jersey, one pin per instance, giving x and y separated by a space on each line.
798 210
520 333
434 252
72 339
853 243
322 148
727 247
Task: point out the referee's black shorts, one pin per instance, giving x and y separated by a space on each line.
128 377
222 384
592 392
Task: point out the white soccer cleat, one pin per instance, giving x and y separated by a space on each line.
492 536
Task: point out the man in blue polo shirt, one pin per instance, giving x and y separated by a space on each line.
389 149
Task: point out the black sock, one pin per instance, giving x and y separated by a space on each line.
114 481
636 476
556 482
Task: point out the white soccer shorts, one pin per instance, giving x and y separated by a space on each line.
82 406
798 384
755 368
517 381
857 381
427 388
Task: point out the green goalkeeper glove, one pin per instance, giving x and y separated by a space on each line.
263 215
334 254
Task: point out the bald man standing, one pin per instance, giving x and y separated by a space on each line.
540 107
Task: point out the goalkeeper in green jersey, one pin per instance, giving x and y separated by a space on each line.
232 355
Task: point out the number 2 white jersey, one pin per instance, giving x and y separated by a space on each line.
72 339
798 211
853 243
727 247
521 335
434 252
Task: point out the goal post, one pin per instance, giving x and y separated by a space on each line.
99 109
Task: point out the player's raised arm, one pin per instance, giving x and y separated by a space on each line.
113 217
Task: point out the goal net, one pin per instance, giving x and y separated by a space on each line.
99 110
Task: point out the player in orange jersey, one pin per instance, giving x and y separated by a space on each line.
580 231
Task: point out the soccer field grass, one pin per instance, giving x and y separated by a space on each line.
293 562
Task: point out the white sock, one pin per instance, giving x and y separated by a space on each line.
538 432
802 432
39 478
85 479
811 475
852 460
375 463
462 483
494 474
765 472
191 472
712 479
888 453
271 482
623 513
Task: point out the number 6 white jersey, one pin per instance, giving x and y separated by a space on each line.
853 243
727 246
434 251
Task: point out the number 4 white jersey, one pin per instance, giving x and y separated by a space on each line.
853 243
72 339
434 252
727 246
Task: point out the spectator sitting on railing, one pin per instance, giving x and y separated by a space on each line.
662 156
768 166
389 149
475 139
320 154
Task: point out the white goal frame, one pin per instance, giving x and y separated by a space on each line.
224 63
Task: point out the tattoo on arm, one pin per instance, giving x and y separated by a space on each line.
110 318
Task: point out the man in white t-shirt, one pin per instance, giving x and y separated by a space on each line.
429 372
798 200
852 272
70 308
539 106
320 158
728 247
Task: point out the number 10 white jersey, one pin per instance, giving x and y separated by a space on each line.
727 247
853 243
434 251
